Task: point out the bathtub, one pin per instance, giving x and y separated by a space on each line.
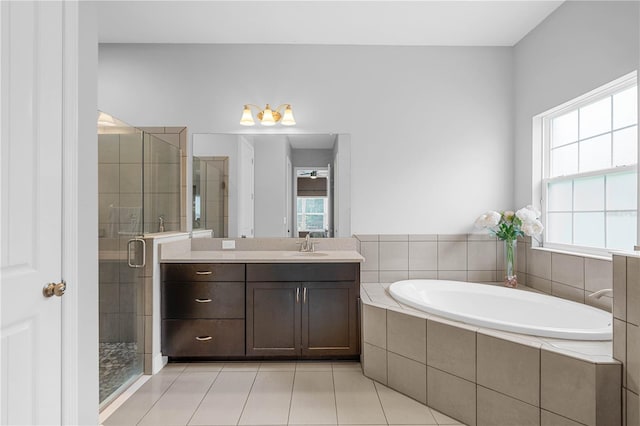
505 309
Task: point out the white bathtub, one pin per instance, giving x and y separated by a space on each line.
505 309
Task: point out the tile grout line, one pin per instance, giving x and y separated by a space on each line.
160 397
205 394
335 396
293 385
248 395
384 413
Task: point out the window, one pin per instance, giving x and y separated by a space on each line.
590 156
312 214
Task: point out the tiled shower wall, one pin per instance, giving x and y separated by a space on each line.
165 173
479 258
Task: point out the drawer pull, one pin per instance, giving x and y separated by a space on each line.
203 338
204 272
203 300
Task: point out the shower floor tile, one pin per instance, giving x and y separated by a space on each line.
118 362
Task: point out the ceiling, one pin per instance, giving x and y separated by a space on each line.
311 141
362 22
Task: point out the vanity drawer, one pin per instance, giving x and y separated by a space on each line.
203 300
194 338
202 272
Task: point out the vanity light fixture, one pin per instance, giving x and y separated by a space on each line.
268 116
105 119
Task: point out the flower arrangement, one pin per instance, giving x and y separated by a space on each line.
508 226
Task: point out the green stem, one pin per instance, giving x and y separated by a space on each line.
509 257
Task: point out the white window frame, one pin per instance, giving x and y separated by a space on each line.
542 135
325 214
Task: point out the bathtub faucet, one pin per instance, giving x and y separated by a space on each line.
598 294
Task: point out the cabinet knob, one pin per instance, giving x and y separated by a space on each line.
203 300
203 338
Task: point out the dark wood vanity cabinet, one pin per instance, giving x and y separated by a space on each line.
296 310
303 310
203 310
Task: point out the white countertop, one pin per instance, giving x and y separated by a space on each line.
264 256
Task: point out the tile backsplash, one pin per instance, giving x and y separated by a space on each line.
479 258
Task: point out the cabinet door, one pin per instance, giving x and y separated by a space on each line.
330 319
273 319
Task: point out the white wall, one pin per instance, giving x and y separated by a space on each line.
81 407
431 127
342 178
581 46
270 183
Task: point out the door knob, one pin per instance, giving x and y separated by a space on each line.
54 289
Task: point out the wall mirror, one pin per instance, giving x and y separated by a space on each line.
275 185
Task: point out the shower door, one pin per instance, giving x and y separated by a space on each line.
121 257
161 183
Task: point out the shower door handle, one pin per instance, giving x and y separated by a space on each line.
130 257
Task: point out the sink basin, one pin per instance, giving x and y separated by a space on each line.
306 254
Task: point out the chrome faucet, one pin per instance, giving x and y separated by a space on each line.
307 245
160 223
598 294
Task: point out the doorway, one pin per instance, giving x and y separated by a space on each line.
313 202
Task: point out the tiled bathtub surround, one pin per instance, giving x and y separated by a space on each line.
626 331
568 276
479 258
486 377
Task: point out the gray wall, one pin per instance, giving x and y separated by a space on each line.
431 127
270 178
578 48
311 157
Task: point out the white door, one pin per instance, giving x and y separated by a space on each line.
31 207
245 190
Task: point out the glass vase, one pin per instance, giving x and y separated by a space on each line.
510 263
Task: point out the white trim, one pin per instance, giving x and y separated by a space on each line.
70 207
158 363
541 137
122 398
617 85
571 252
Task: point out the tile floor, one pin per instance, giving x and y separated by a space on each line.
273 393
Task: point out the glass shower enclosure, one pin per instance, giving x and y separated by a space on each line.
139 194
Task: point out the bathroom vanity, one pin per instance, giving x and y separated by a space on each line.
261 305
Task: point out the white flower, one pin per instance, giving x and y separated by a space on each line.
528 214
533 209
532 228
488 220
